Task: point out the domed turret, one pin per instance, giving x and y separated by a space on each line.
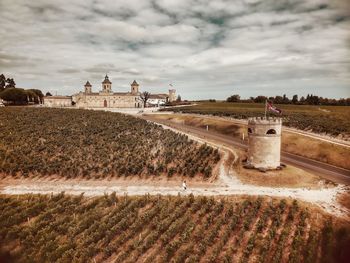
135 87
106 85
87 87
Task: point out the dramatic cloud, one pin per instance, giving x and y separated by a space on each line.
206 49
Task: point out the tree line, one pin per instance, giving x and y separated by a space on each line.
310 99
18 96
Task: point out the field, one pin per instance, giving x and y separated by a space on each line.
332 120
93 144
293 143
61 228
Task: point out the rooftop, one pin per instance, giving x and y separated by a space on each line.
106 81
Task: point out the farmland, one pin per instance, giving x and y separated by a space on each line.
92 144
61 228
332 120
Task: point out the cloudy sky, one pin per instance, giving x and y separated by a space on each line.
206 49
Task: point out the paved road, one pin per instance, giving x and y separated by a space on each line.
330 172
284 128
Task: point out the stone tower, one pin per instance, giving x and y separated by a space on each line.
264 143
106 85
172 95
134 88
87 87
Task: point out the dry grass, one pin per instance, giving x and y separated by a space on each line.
316 149
288 177
294 143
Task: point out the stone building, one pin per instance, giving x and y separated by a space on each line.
172 95
264 143
106 98
58 101
158 99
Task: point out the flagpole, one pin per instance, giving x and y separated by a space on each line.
265 107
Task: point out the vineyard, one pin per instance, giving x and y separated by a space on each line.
61 228
94 144
332 120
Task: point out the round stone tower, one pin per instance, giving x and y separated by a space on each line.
264 143
172 95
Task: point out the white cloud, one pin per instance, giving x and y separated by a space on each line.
206 48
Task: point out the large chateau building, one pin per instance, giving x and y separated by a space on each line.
106 98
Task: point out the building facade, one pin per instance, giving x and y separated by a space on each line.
264 143
158 100
106 98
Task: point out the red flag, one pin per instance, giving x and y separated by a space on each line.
272 108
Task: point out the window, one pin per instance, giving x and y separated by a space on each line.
250 130
271 131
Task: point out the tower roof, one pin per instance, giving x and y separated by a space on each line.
134 83
87 84
106 80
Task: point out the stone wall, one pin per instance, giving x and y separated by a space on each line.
58 101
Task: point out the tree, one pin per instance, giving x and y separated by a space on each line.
295 99
48 94
2 82
234 98
10 83
38 95
285 99
16 96
144 97
260 99
178 98
278 100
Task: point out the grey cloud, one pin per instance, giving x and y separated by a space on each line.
207 48
68 71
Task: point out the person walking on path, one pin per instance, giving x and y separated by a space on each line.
184 186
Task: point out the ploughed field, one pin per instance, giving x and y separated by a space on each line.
61 228
95 144
333 120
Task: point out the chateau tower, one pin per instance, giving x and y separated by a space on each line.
87 87
264 142
106 85
172 95
134 88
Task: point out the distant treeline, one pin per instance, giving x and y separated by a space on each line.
308 100
17 96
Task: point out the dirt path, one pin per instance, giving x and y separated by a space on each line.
227 184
